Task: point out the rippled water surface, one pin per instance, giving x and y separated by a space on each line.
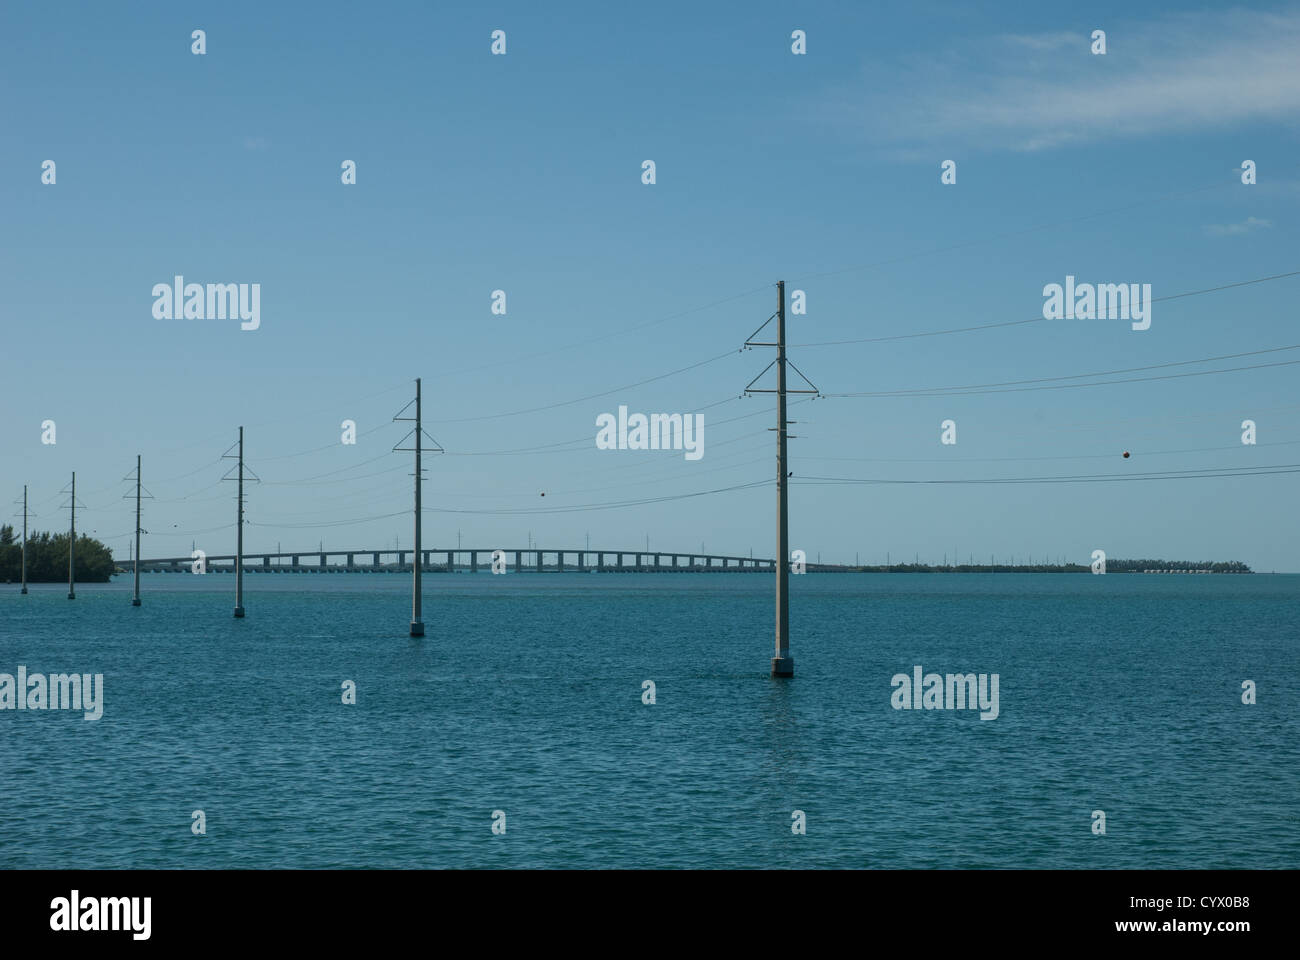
1119 693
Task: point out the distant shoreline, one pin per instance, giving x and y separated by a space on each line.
1113 567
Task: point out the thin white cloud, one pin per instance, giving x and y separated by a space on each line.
1237 229
1046 41
1036 92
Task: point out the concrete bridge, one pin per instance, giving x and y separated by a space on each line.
465 560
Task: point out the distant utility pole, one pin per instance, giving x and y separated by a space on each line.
782 663
72 540
24 538
135 600
417 621
239 522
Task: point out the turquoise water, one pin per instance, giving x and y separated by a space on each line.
1117 693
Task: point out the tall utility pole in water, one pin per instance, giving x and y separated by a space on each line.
417 621
72 540
782 663
135 600
239 535
24 538
239 520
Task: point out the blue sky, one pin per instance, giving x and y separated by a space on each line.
523 173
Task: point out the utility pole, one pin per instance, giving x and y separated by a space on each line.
782 663
24 538
239 519
135 601
239 535
417 622
72 540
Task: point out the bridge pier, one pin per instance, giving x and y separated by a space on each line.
539 561
473 561
559 561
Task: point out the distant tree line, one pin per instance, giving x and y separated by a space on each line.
1112 566
1214 566
47 558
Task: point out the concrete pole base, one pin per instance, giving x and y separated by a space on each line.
417 628
783 666
239 613
135 601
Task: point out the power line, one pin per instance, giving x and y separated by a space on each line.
1086 456
1009 388
617 333
593 396
1083 478
1016 323
583 508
